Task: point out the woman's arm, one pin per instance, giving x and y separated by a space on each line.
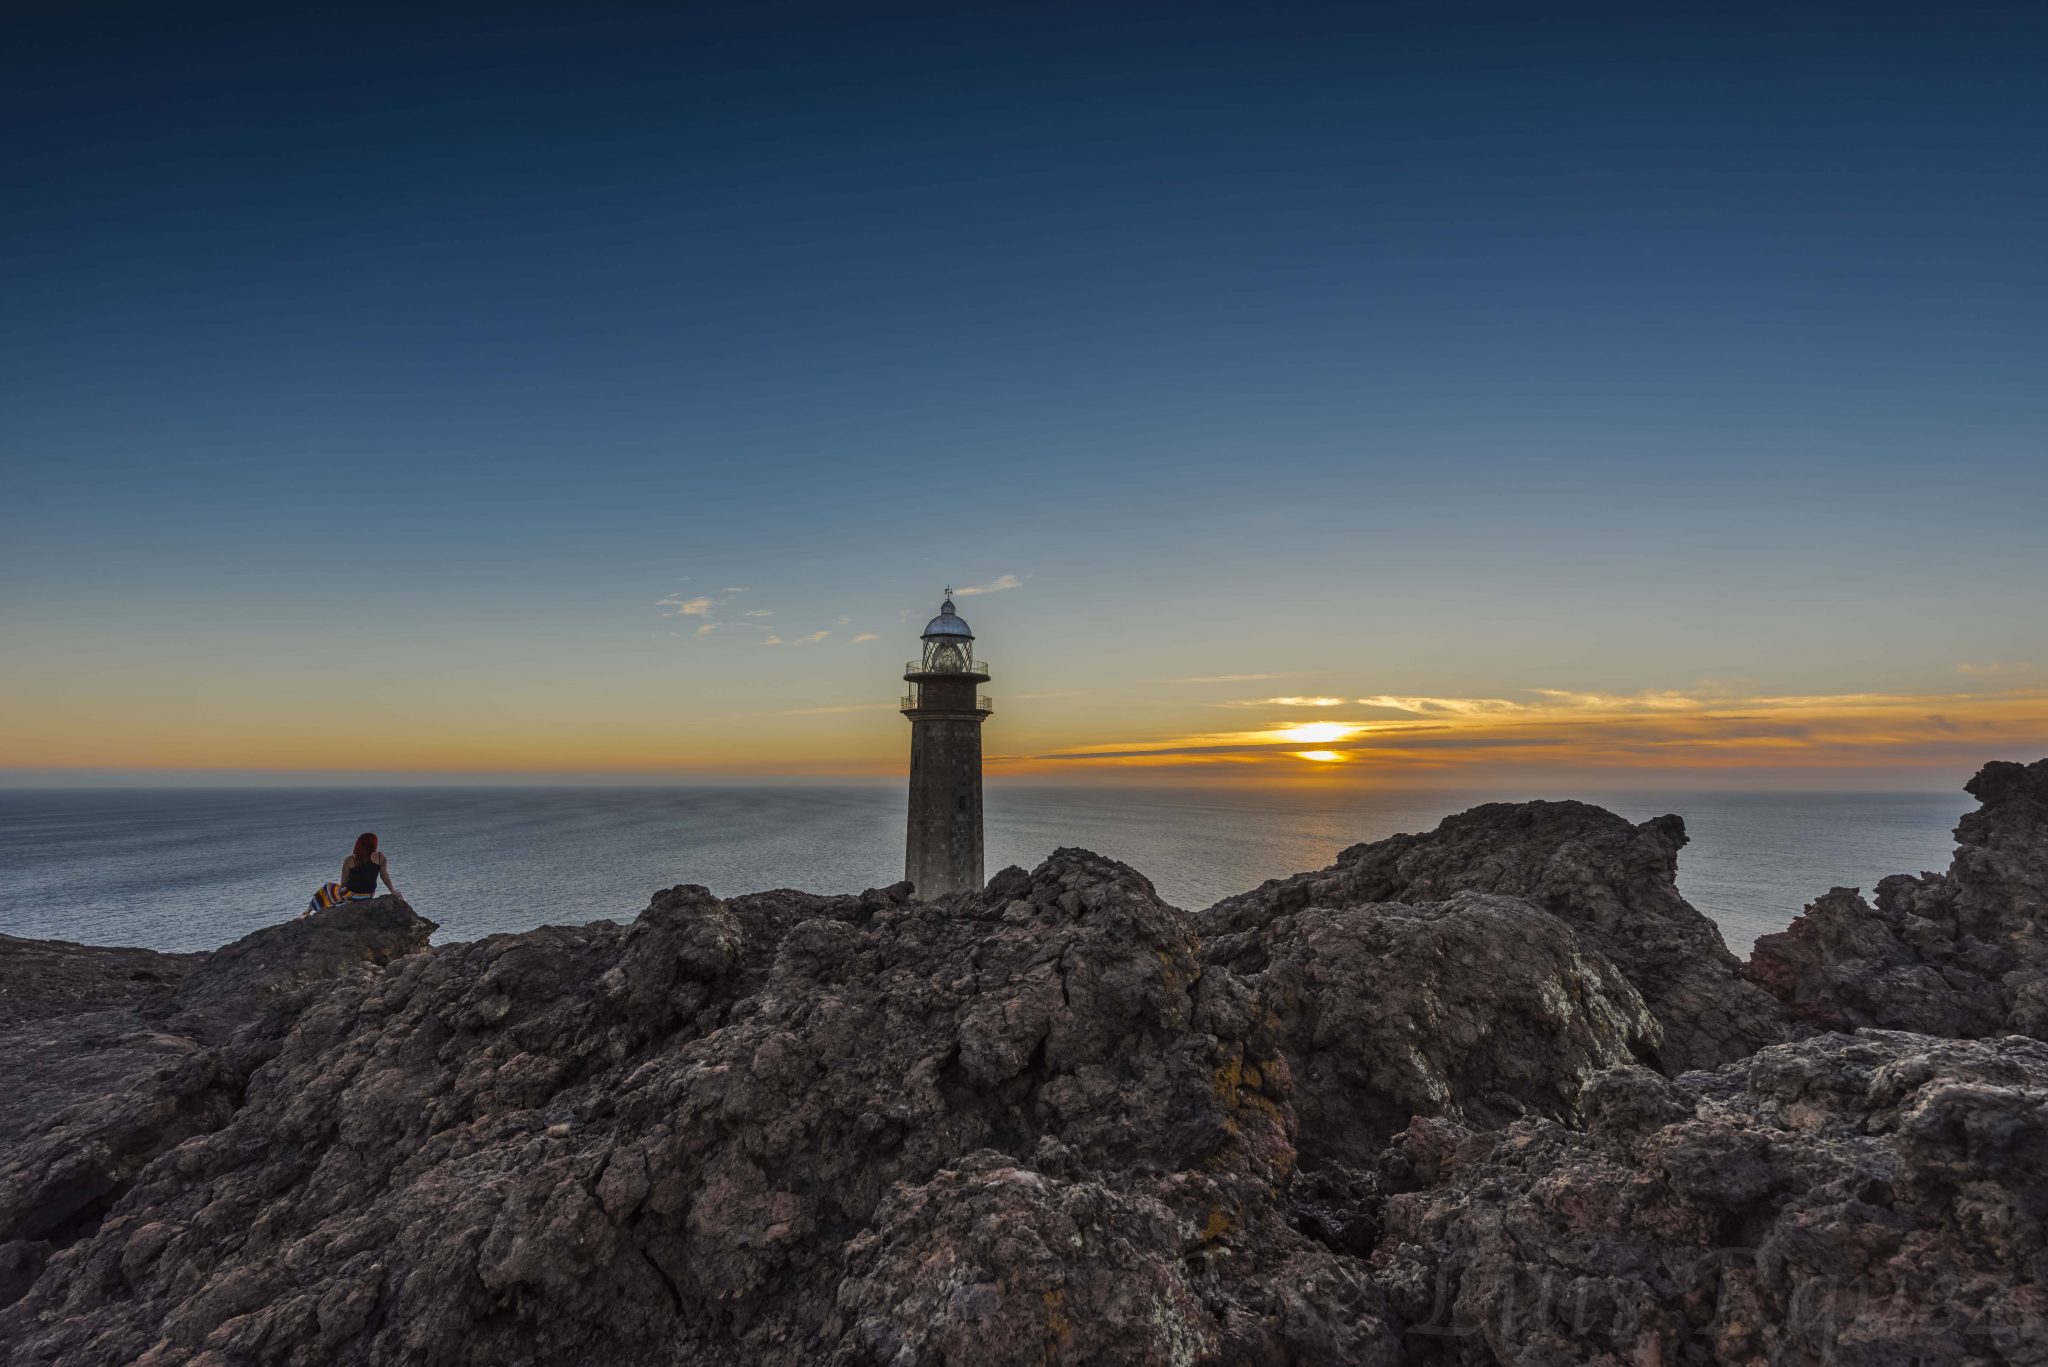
348 861
384 868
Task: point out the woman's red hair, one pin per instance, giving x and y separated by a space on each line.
366 845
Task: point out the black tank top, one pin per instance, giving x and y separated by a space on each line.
363 876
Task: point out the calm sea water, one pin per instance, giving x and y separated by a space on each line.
195 868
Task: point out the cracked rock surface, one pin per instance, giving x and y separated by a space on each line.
1868 1198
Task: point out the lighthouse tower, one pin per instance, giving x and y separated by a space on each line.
944 847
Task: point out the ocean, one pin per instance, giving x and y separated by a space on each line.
195 868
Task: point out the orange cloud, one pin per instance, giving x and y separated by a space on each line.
1666 730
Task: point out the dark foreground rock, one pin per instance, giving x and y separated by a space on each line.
1869 1199
1615 884
784 1129
108 1063
44 978
1962 953
1052 1122
1480 1008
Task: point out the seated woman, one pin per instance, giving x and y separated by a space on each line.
359 875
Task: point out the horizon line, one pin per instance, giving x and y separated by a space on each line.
1792 779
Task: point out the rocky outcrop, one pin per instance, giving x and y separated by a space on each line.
44 978
1962 953
1481 1008
107 1063
275 966
776 1129
1613 883
1865 1199
1394 1112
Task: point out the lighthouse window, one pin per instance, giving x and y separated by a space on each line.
961 802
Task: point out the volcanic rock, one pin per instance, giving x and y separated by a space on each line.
773 1130
1962 953
1614 883
44 978
1860 1199
1396 1111
105 1064
272 967
1480 1008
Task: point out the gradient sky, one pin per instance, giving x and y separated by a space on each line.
1524 392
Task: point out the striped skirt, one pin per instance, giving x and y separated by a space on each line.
333 895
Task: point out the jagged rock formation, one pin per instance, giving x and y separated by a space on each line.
105 1064
776 1130
1052 1122
1480 1008
1614 883
1875 1198
276 966
1962 953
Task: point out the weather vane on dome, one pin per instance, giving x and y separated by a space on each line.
949 590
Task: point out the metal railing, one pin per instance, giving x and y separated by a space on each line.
982 703
969 667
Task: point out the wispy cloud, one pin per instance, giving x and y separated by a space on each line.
1667 701
699 605
771 639
1285 702
1659 729
997 585
864 636
729 588
1994 667
758 612
1455 707
811 639
708 628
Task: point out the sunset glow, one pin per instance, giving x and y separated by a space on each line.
1310 733
1263 401
1065 735
1441 739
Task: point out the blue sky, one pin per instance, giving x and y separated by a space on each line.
1435 350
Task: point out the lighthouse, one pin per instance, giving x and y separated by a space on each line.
943 845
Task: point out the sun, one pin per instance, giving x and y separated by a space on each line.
1315 732
1322 756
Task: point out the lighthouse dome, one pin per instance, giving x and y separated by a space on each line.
948 624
